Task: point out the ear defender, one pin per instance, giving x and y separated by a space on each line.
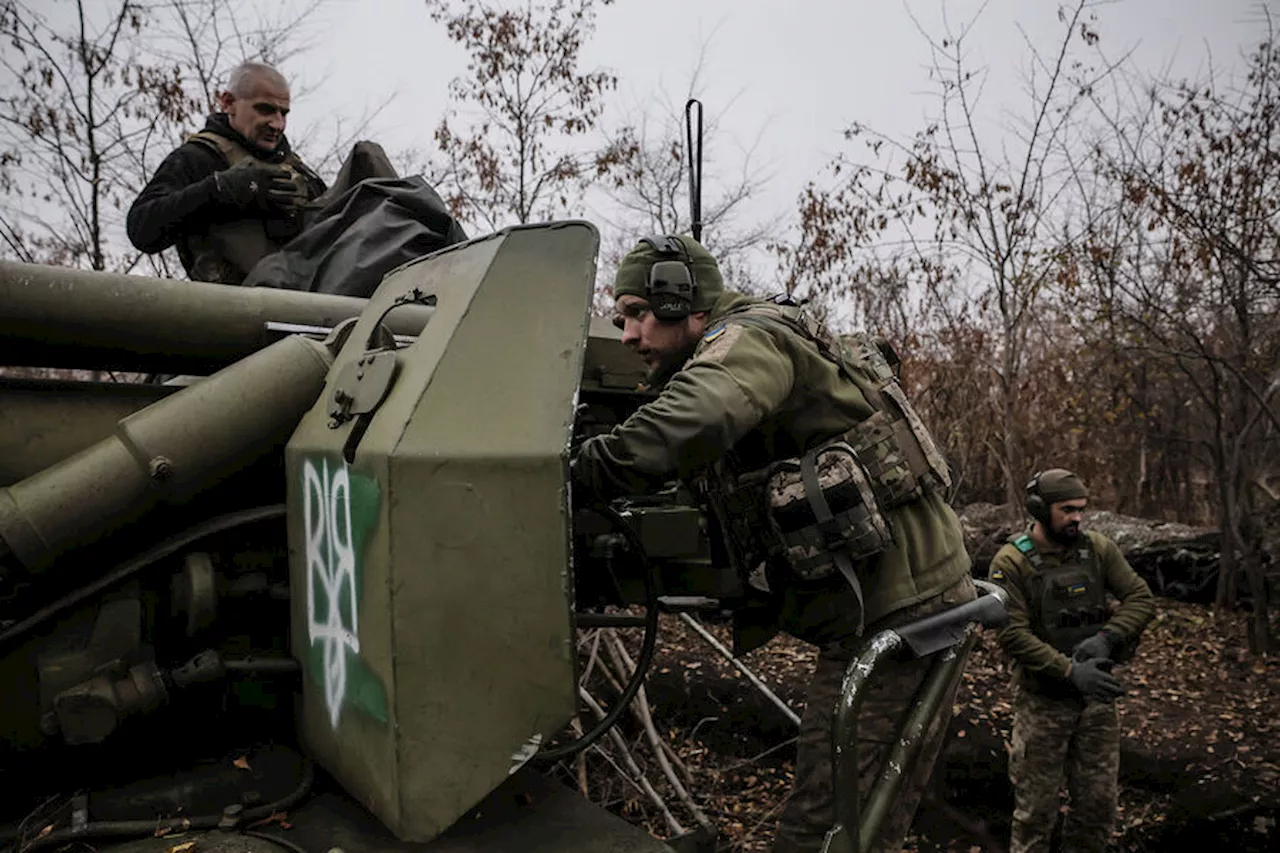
1036 507
671 288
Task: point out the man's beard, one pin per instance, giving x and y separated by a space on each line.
669 364
1068 534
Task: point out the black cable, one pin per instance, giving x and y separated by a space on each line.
136 828
291 846
131 567
642 663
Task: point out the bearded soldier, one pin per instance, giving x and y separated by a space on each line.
819 477
1064 641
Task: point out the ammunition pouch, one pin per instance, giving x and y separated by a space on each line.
822 511
736 508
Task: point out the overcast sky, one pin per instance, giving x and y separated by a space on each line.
787 76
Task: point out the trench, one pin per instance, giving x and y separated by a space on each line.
971 802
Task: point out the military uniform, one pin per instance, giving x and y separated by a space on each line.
759 389
1057 599
180 205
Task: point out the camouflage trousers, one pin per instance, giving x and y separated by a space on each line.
1056 740
810 808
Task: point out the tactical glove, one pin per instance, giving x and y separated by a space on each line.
1094 680
253 184
1100 645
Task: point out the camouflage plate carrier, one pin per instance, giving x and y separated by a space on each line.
824 511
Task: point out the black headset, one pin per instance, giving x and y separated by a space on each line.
1038 509
672 288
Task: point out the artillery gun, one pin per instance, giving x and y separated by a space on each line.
330 568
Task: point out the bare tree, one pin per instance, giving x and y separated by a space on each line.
970 229
206 38
654 197
79 99
523 153
1184 263
96 95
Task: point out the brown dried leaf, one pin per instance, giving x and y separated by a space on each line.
280 818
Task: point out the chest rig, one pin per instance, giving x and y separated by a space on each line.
227 251
1067 601
824 510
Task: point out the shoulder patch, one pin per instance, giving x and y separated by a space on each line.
996 574
717 343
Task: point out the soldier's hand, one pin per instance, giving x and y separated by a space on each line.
253 184
292 198
1097 646
1094 680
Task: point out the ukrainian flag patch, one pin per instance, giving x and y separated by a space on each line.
996 574
1077 589
713 334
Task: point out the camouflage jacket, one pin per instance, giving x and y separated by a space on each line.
768 394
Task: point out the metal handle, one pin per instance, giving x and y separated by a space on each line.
857 826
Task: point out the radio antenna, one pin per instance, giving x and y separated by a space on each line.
695 165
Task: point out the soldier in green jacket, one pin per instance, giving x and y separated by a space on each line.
1064 639
819 475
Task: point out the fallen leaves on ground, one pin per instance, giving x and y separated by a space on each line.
1197 701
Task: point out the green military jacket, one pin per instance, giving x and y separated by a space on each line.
1039 666
767 394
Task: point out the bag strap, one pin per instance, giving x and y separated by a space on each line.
817 500
1027 548
830 528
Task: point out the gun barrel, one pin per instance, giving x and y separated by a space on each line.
61 317
168 453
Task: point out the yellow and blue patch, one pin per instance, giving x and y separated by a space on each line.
716 344
996 575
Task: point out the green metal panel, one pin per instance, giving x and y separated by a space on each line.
610 364
431 564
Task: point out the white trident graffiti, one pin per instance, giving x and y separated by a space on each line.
331 567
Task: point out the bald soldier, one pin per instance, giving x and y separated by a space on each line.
827 490
232 193
1064 640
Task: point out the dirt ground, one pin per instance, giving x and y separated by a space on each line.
1200 756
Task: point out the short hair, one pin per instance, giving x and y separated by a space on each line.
245 75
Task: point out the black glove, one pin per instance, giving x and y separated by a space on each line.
1094 680
1100 645
253 184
